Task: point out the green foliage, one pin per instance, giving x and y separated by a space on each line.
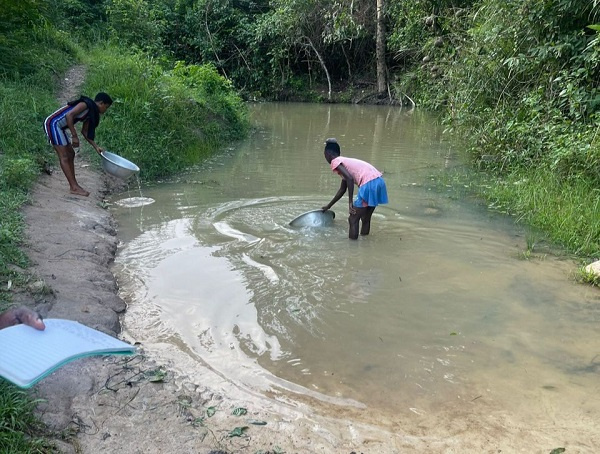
11 234
23 108
137 23
163 121
238 432
584 276
17 423
519 83
213 92
568 210
239 411
407 28
17 173
264 47
29 45
84 19
426 39
223 33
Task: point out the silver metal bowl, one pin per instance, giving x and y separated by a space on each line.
118 166
315 218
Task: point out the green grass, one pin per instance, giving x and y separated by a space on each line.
19 428
23 150
567 210
562 214
584 276
163 120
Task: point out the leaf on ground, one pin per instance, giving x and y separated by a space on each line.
210 411
240 411
257 422
238 431
198 422
155 376
557 450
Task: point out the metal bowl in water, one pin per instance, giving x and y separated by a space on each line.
117 166
315 218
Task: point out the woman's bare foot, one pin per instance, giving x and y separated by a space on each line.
80 191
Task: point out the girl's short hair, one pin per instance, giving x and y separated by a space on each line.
103 97
332 146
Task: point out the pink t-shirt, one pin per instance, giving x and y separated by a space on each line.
361 171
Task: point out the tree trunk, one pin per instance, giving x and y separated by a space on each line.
322 62
380 49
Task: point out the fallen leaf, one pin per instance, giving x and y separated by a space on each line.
238 431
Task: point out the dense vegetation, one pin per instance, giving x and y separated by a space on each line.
518 80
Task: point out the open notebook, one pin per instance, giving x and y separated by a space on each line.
28 355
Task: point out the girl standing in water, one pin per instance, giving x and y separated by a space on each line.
371 188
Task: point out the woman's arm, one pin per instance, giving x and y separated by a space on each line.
337 196
84 130
79 107
349 179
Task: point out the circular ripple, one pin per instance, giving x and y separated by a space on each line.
134 202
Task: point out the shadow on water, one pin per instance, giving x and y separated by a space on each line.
433 307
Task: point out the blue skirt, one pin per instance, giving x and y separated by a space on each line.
371 194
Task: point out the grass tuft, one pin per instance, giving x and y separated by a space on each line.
19 428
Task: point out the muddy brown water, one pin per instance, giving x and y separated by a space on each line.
435 307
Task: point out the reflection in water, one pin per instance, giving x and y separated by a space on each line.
433 308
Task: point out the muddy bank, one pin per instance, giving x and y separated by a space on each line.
71 243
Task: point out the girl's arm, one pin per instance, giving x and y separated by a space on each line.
80 107
337 196
349 180
84 130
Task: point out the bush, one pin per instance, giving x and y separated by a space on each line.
163 121
17 173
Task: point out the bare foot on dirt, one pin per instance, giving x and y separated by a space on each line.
80 191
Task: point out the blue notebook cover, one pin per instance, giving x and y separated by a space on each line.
27 355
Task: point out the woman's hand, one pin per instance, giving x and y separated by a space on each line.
22 315
351 209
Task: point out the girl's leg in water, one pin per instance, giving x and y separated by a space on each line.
366 220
